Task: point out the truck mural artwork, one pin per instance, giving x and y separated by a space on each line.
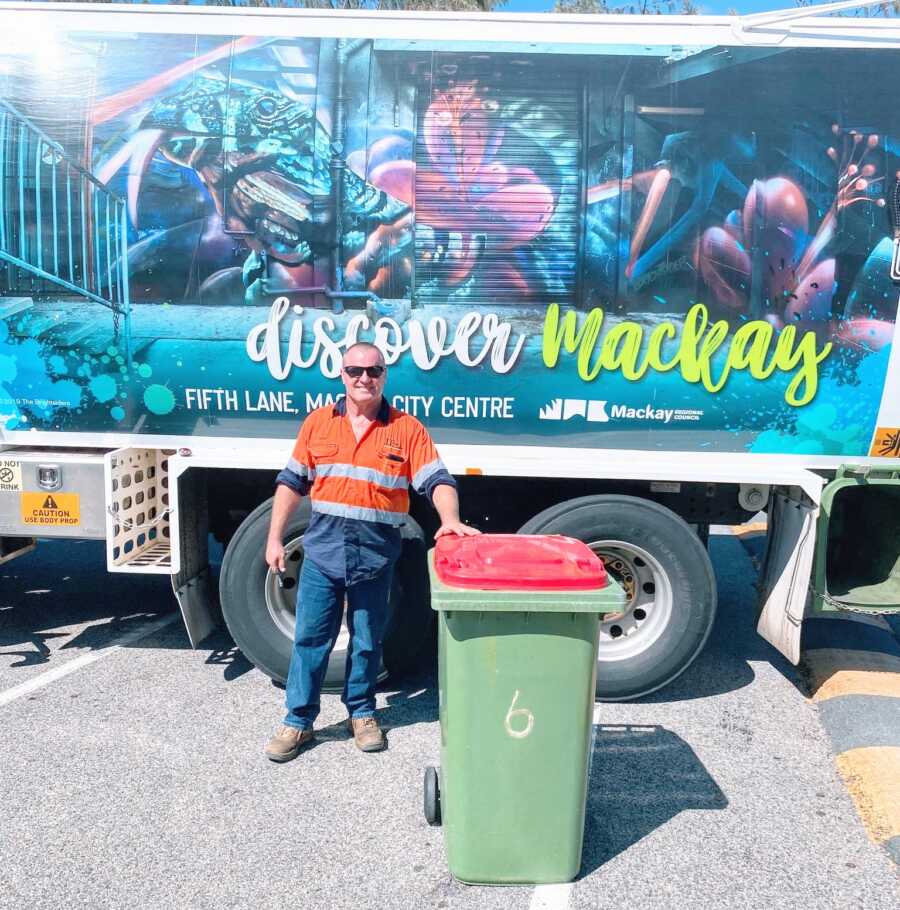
632 283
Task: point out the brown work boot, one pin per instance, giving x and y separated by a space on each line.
287 743
366 733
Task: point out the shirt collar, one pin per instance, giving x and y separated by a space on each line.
383 415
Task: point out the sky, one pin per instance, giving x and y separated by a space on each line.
710 7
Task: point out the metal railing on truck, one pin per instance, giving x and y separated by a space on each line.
59 223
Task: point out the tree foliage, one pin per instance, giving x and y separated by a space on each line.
639 8
888 8
449 6
689 8
589 7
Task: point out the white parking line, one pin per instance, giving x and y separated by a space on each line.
70 666
556 897
595 722
551 897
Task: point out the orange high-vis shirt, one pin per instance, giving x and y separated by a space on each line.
359 490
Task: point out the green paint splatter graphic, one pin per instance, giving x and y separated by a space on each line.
103 388
159 399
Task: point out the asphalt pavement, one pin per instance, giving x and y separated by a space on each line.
133 773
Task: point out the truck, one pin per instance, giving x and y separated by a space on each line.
636 274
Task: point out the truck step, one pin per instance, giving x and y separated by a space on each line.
137 497
9 306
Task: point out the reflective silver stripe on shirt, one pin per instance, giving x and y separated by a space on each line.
363 514
425 472
370 475
300 469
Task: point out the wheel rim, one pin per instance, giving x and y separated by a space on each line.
648 608
281 602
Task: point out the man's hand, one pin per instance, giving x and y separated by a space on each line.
456 528
284 503
275 555
447 504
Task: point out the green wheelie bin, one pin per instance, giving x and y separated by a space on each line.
517 662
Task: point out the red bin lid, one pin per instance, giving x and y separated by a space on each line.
518 562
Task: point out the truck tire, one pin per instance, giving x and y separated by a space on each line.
260 615
668 576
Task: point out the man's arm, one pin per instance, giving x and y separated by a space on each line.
446 502
284 504
291 485
431 478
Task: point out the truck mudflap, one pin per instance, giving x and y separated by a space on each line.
192 585
786 569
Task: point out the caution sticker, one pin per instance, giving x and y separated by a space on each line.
50 509
886 443
10 476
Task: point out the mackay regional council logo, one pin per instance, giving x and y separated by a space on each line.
597 411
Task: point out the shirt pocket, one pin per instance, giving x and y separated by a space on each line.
393 461
323 452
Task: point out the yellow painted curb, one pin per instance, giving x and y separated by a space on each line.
872 775
751 529
843 671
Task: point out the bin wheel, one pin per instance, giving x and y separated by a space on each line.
432 797
668 579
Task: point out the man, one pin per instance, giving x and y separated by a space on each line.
356 460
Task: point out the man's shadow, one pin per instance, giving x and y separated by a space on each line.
39 653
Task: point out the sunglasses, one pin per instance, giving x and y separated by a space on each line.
375 372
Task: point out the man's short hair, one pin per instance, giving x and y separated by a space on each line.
366 345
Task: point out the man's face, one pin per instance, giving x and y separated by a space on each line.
364 389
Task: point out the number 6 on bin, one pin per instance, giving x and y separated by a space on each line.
518 712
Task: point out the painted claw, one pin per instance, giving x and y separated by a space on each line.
138 152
